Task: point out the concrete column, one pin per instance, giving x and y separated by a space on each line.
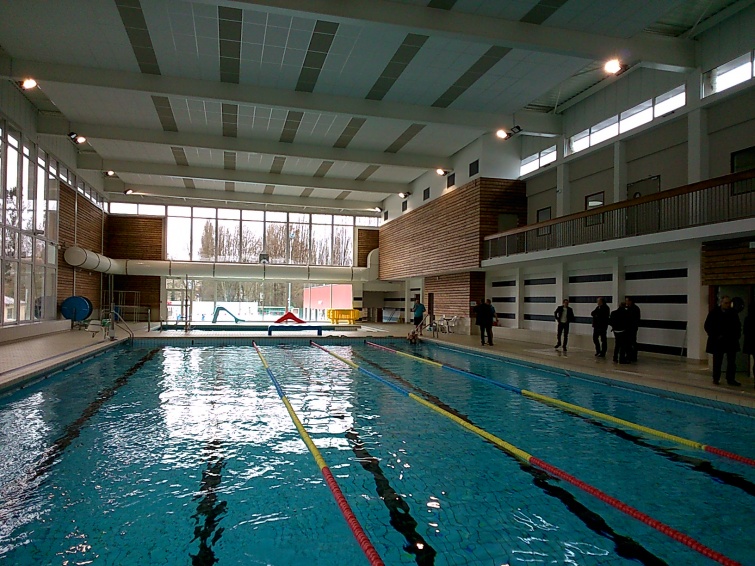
563 195
698 153
617 285
619 171
562 283
697 309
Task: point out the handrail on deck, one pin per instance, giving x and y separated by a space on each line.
731 197
128 328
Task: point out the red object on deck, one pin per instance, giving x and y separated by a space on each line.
289 316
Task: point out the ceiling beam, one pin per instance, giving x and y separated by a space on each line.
17 69
58 125
151 194
92 161
672 53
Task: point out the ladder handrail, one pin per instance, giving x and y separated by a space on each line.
128 328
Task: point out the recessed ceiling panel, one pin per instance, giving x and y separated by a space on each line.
151 180
133 151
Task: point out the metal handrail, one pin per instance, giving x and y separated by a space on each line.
128 328
723 199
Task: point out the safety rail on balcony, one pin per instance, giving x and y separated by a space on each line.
722 199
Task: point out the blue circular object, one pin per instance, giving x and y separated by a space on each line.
76 308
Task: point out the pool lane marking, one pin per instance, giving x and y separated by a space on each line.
624 546
579 409
557 472
364 542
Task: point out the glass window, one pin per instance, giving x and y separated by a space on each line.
40 247
529 164
151 210
229 213
298 218
11 198
229 240
39 293
203 238
732 73
343 220
670 101
26 247
179 238
276 216
10 244
634 117
343 245
276 241
252 236
27 191
124 208
580 141
25 302
252 215
595 200
604 130
548 156
322 219
199 212
41 193
322 243
299 242
543 215
366 221
179 211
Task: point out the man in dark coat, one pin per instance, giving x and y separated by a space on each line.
564 316
484 319
633 326
723 328
600 317
618 322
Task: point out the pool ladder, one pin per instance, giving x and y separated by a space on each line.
113 320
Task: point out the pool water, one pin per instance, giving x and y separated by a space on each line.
186 455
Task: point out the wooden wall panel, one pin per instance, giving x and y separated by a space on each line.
80 224
132 237
452 293
730 262
367 240
447 233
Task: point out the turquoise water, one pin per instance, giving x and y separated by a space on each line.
186 455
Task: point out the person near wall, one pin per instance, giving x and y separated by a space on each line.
564 316
484 319
600 317
748 344
618 322
723 329
492 310
633 326
419 314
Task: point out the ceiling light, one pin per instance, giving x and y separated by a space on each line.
441 172
110 173
502 134
128 191
28 83
613 66
404 195
515 129
76 138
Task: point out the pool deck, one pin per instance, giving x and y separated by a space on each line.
23 360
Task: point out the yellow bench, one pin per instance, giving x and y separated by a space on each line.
349 315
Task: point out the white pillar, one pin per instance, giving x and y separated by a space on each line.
519 304
697 309
698 156
617 284
563 195
619 171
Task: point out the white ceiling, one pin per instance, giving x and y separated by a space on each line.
335 102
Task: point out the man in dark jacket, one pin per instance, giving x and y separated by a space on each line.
600 317
564 316
484 319
633 326
723 328
618 322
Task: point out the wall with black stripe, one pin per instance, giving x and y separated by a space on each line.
584 287
539 297
502 293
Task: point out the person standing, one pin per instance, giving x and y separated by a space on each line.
748 345
723 329
492 312
618 323
564 316
419 314
633 326
600 317
484 319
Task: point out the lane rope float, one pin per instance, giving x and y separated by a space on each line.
579 409
364 542
557 472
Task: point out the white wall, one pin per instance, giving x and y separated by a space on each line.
728 40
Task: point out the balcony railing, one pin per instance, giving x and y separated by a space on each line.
722 199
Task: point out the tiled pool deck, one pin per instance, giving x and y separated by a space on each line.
24 360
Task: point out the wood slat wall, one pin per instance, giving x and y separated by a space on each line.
367 240
447 233
80 224
730 262
131 237
453 293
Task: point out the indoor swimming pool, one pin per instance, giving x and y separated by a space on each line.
166 454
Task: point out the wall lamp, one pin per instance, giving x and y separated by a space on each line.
76 138
378 209
504 135
128 192
28 83
615 67
109 173
442 172
404 195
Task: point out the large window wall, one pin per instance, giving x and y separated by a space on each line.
242 236
29 215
